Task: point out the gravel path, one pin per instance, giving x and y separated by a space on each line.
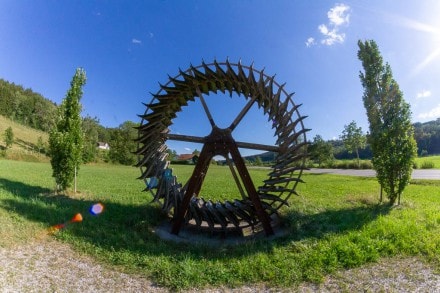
51 266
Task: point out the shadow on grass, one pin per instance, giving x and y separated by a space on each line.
129 227
332 221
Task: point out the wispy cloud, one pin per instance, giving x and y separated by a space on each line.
136 41
423 94
338 16
187 149
310 42
432 114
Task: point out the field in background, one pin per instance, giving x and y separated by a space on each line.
335 223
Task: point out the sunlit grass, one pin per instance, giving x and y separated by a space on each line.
335 223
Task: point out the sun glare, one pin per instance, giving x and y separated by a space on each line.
432 30
428 26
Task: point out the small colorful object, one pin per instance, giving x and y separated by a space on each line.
152 183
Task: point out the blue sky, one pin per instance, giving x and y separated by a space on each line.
128 47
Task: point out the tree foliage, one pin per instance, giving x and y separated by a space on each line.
122 144
427 136
26 107
90 128
8 137
389 116
66 138
354 139
321 152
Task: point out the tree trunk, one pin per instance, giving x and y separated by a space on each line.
358 161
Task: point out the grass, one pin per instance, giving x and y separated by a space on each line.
429 162
336 223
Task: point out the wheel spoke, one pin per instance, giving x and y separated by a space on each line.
240 144
251 191
234 174
181 137
242 114
205 107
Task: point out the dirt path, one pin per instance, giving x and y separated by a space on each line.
51 266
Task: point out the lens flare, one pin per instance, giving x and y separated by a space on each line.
96 209
77 218
55 228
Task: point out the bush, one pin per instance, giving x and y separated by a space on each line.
427 165
366 165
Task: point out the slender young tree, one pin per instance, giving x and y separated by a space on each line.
391 132
66 138
321 151
353 139
9 137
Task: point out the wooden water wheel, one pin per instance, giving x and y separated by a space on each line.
257 206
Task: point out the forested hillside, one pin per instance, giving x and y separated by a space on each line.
26 107
428 137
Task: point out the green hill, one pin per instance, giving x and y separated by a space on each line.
26 142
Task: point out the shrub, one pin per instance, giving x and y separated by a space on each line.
427 165
366 165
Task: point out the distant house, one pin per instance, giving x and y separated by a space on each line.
103 146
188 158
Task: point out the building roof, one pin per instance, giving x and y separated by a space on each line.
185 157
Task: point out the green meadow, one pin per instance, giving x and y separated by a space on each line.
336 223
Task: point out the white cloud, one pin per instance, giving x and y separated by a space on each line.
310 42
423 94
337 16
331 36
187 149
136 41
433 114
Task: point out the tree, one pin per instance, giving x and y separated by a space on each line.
9 137
258 161
389 116
90 128
40 144
353 139
172 155
66 138
122 144
321 151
